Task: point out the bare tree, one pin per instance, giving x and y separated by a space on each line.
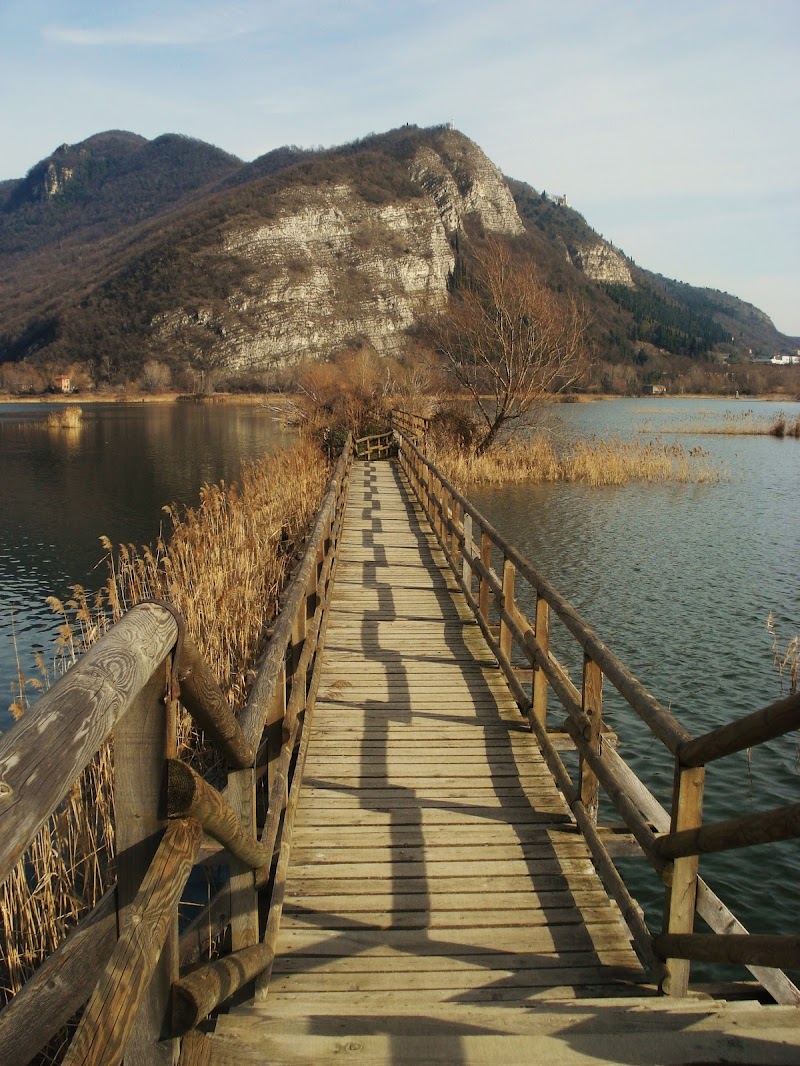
508 339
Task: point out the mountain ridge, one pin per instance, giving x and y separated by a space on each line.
121 249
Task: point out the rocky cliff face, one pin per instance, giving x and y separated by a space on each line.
120 250
332 269
600 262
462 181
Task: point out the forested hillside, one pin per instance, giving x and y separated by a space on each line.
118 251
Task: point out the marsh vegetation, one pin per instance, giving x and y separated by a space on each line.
222 565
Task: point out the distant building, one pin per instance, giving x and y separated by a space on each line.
654 390
64 383
785 360
561 201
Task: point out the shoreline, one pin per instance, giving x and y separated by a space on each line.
86 399
270 399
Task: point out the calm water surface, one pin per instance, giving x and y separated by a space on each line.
62 490
678 579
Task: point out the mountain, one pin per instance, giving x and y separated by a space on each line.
120 250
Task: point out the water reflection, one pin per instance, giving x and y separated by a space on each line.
679 580
62 490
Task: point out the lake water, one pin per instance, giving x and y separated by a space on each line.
64 489
678 579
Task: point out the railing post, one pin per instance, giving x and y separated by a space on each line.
141 746
509 572
486 559
455 544
592 704
439 504
542 634
274 727
243 893
681 895
447 518
298 636
466 559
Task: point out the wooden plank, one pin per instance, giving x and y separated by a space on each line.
321 857
429 828
416 1001
524 918
441 886
109 1017
401 867
482 835
494 962
475 902
141 744
395 943
326 820
453 980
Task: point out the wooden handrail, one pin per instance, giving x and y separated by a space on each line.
203 699
753 949
110 1014
661 723
469 540
781 823
770 722
125 677
46 750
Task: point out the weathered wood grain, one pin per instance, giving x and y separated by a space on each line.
112 1008
189 796
203 699
141 743
427 812
60 986
46 750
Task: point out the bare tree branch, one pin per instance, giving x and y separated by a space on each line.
507 339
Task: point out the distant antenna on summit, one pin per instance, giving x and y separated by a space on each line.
451 125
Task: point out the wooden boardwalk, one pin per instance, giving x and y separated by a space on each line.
440 906
433 859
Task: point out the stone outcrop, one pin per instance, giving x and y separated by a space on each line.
600 262
331 269
463 181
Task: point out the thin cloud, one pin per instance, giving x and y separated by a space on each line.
180 29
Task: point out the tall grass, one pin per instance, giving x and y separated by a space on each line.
785 657
746 424
67 418
594 462
223 566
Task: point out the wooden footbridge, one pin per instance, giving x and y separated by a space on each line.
413 874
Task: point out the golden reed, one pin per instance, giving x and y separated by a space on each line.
223 566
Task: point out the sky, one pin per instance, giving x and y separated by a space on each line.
673 127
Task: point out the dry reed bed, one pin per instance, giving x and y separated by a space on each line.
746 424
594 462
223 567
66 418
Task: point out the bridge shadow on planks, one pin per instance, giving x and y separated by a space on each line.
433 861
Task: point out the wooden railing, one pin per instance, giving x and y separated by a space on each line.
415 427
492 574
124 960
378 446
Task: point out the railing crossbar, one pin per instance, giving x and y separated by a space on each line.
468 540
